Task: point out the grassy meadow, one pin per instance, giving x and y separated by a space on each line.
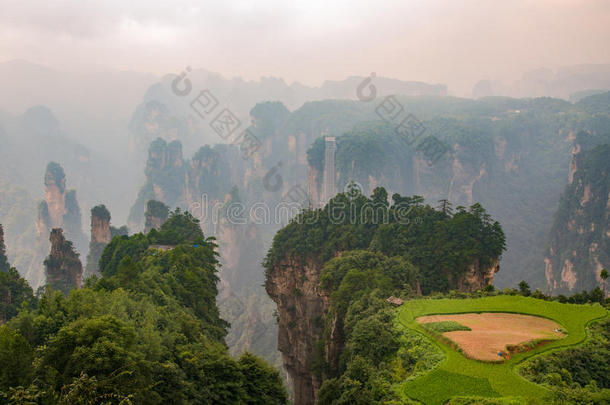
460 376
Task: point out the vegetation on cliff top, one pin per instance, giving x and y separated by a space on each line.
440 243
56 174
374 353
101 212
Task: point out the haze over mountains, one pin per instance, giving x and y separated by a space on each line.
89 121
305 202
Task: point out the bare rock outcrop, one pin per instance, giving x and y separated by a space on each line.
477 277
465 177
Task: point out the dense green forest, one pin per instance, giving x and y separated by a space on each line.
578 375
147 331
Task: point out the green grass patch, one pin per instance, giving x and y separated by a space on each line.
471 400
458 376
444 326
445 384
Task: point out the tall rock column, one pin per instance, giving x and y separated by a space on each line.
55 195
63 268
100 237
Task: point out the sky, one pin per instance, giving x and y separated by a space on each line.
436 41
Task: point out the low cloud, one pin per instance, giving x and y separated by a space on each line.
437 41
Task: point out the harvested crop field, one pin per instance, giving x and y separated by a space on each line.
491 332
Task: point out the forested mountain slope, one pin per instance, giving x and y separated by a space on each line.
512 155
148 331
580 237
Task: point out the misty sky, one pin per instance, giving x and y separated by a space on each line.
453 42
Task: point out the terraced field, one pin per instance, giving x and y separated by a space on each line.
495 336
461 376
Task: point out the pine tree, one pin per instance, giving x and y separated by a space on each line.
444 206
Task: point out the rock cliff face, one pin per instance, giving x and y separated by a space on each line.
55 195
294 286
465 177
477 277
459 175
64 270
580 237
574 162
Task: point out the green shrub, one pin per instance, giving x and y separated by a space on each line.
445 326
